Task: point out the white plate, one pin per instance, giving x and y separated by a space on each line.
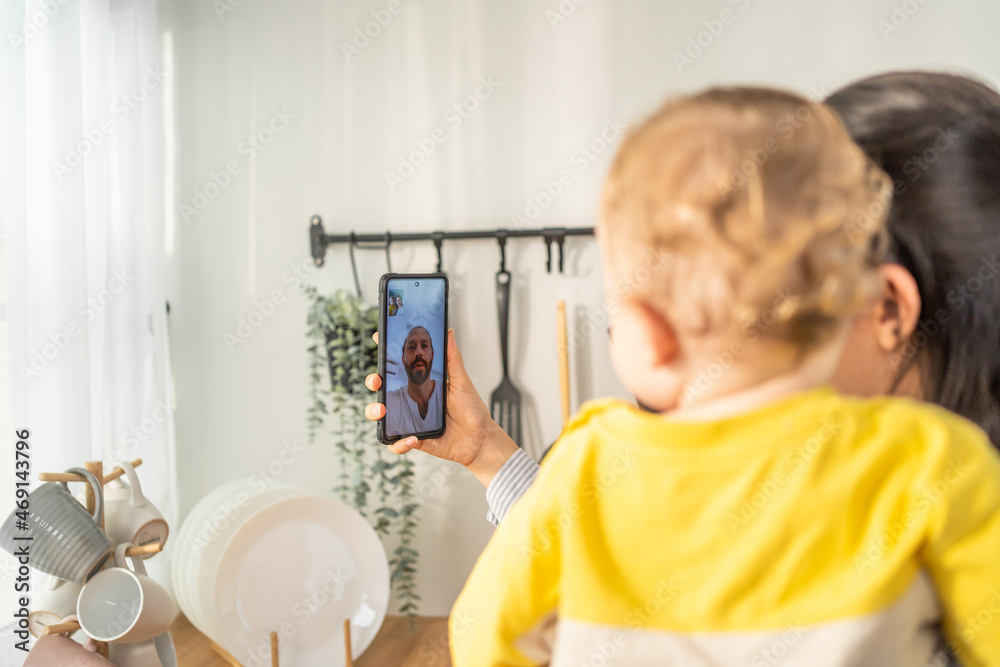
208 527
299 567
206 569
185 563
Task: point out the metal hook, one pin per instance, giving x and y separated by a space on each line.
354 266
438 238
549 235
560 239
502 240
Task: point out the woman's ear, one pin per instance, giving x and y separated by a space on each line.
898 309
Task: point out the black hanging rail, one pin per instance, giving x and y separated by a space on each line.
319 239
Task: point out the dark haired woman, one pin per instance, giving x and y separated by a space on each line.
935 332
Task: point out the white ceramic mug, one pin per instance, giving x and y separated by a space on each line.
157 652
54 601
128 516
119 605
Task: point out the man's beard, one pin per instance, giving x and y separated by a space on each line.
420 375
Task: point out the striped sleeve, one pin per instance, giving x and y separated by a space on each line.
515 476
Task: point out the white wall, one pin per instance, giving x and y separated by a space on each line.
559 83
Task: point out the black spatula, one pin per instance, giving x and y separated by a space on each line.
505 403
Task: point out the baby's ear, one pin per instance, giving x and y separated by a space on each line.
660 335
645 352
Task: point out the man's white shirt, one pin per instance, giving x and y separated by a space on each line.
402 413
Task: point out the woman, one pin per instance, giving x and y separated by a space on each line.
935 332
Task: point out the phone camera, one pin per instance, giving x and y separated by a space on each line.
416 284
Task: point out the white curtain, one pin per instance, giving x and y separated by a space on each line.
85 171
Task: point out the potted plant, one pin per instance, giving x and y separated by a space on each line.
376 483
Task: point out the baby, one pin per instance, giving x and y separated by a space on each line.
750 515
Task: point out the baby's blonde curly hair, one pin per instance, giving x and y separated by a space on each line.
750 193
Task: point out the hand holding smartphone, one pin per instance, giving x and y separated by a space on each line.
412 355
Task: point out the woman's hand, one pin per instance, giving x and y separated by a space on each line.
471 437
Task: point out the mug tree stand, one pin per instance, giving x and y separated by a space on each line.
97 468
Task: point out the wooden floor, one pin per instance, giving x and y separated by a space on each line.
397 645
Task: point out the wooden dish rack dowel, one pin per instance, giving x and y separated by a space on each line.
92 466
228 657
56 628
348 657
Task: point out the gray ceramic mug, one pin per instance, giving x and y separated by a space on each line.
66 540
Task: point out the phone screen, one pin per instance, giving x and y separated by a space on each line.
412 343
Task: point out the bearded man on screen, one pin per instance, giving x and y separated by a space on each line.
416 406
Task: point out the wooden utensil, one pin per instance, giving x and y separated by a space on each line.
505 402
563 350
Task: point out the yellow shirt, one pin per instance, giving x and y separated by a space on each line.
817 530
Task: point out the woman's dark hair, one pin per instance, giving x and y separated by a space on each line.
938 138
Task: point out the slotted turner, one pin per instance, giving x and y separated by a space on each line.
505 402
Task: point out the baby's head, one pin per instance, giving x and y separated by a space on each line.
740 225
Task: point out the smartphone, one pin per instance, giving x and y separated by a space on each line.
412 355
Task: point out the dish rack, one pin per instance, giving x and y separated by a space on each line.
97 468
